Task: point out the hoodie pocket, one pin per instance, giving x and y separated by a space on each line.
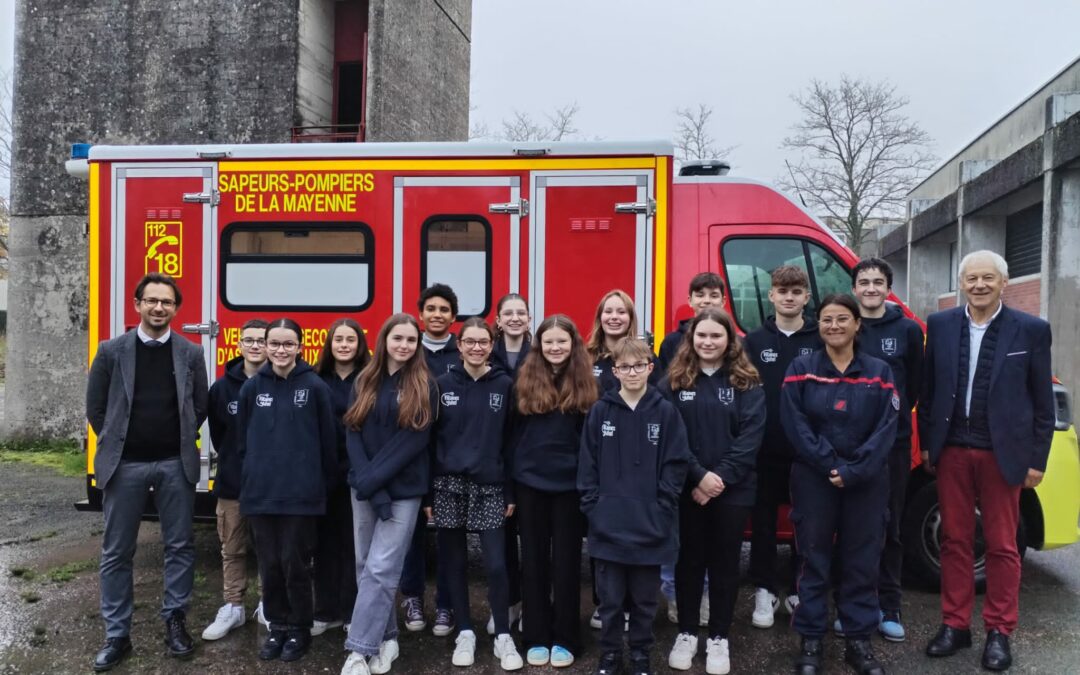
631 522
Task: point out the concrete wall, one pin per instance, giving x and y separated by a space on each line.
315 63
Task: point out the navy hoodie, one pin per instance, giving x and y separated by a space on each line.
224 406
772 352
844 421
898 341
439 362
670 345
289 444
724 427
631 471
500 359
341 393
545 449
470 431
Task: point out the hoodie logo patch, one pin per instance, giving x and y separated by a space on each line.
727 395
840 405
264 400
300 398
495 401
597 371
687 395
233 407
769 356
803 351
450 399
607 429
888 345
653 433
895 401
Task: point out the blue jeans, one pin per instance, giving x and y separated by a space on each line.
414 570
667 582
123 500
380 553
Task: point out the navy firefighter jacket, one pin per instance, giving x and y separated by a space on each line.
469 434
844 421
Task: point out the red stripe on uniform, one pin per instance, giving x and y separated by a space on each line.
840 380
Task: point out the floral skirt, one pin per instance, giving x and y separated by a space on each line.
459 502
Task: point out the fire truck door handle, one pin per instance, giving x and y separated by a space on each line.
213 198
520 207
648 207
209 328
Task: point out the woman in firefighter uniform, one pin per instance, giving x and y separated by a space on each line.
839 409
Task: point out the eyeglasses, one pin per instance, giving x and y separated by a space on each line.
840 321
514 312
150 302
470 343
637 368
251 342
287 346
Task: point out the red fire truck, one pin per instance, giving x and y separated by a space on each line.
318 231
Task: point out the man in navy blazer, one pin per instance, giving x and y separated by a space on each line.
986 419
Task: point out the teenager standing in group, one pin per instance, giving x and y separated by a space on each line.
388 431
717 391
289 456
343 356
771 348
554 390
470 489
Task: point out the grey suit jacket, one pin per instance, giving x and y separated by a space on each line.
110 390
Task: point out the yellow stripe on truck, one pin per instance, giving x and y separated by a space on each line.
660 275
1059 492
95 299
529 164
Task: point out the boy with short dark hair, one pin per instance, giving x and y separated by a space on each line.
438 305
631 471
706 290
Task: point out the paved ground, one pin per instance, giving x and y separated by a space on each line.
50 623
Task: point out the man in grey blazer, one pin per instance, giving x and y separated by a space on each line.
146 399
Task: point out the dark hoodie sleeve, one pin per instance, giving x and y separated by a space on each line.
243 414
216 416
402 449
809 445
913 367
741 457
674 457
588 480
509 491
328 433
871 456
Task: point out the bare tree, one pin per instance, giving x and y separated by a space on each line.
693 140
558 125
859 153
5 162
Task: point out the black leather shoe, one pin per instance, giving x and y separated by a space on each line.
610 664
640 664
948 641
996 653
860 657
296 645
112 653
177 638
809 660
275 642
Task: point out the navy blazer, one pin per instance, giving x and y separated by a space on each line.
1020 405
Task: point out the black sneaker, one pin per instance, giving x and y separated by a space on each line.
112 653
640 663
177 638
860 656
610 664
275 642
296 645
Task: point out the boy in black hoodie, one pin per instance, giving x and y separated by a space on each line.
897 340
706 290
634 454
771 348
231 526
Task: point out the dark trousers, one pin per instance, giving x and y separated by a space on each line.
414 571
284 546
620 585
853 517
710 539
513 558
892 556
552 526
772 491
335 559
454 555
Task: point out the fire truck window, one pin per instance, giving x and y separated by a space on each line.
830 275
457 251
309 266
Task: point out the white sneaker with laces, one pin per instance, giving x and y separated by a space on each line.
381 662
515 616
765 604
703 611
320 627
260 616
683 651
228 617
356 664
464 648
507 653
717 660
791 602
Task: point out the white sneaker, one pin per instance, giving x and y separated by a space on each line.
380 663
791 603
765 604
717 661
465 648
228 617
356 664
594 620
507 653
703 612
260 616
515 616
320 627
683 651
672 611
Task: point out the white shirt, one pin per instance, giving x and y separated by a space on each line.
975 338
146 338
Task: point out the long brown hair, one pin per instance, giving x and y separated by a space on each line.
414 397
686 365
539 389
326 362
597 347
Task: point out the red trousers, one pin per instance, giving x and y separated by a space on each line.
967 479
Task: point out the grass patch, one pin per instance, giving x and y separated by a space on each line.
67 572
24 573
63 456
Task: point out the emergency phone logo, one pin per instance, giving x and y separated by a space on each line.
607 429
164 241
769 356
300 398
888 345
264 400
687 395
727 395
450 399
233 407
495 401
653 433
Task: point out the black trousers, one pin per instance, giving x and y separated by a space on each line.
772 491
284 546
552 526
710 538
620 585
335 559
454 558
892 556
513 558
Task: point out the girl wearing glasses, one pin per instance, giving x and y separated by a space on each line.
289 457
512 339
718 393
388 429
470 489
554 390
343 356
